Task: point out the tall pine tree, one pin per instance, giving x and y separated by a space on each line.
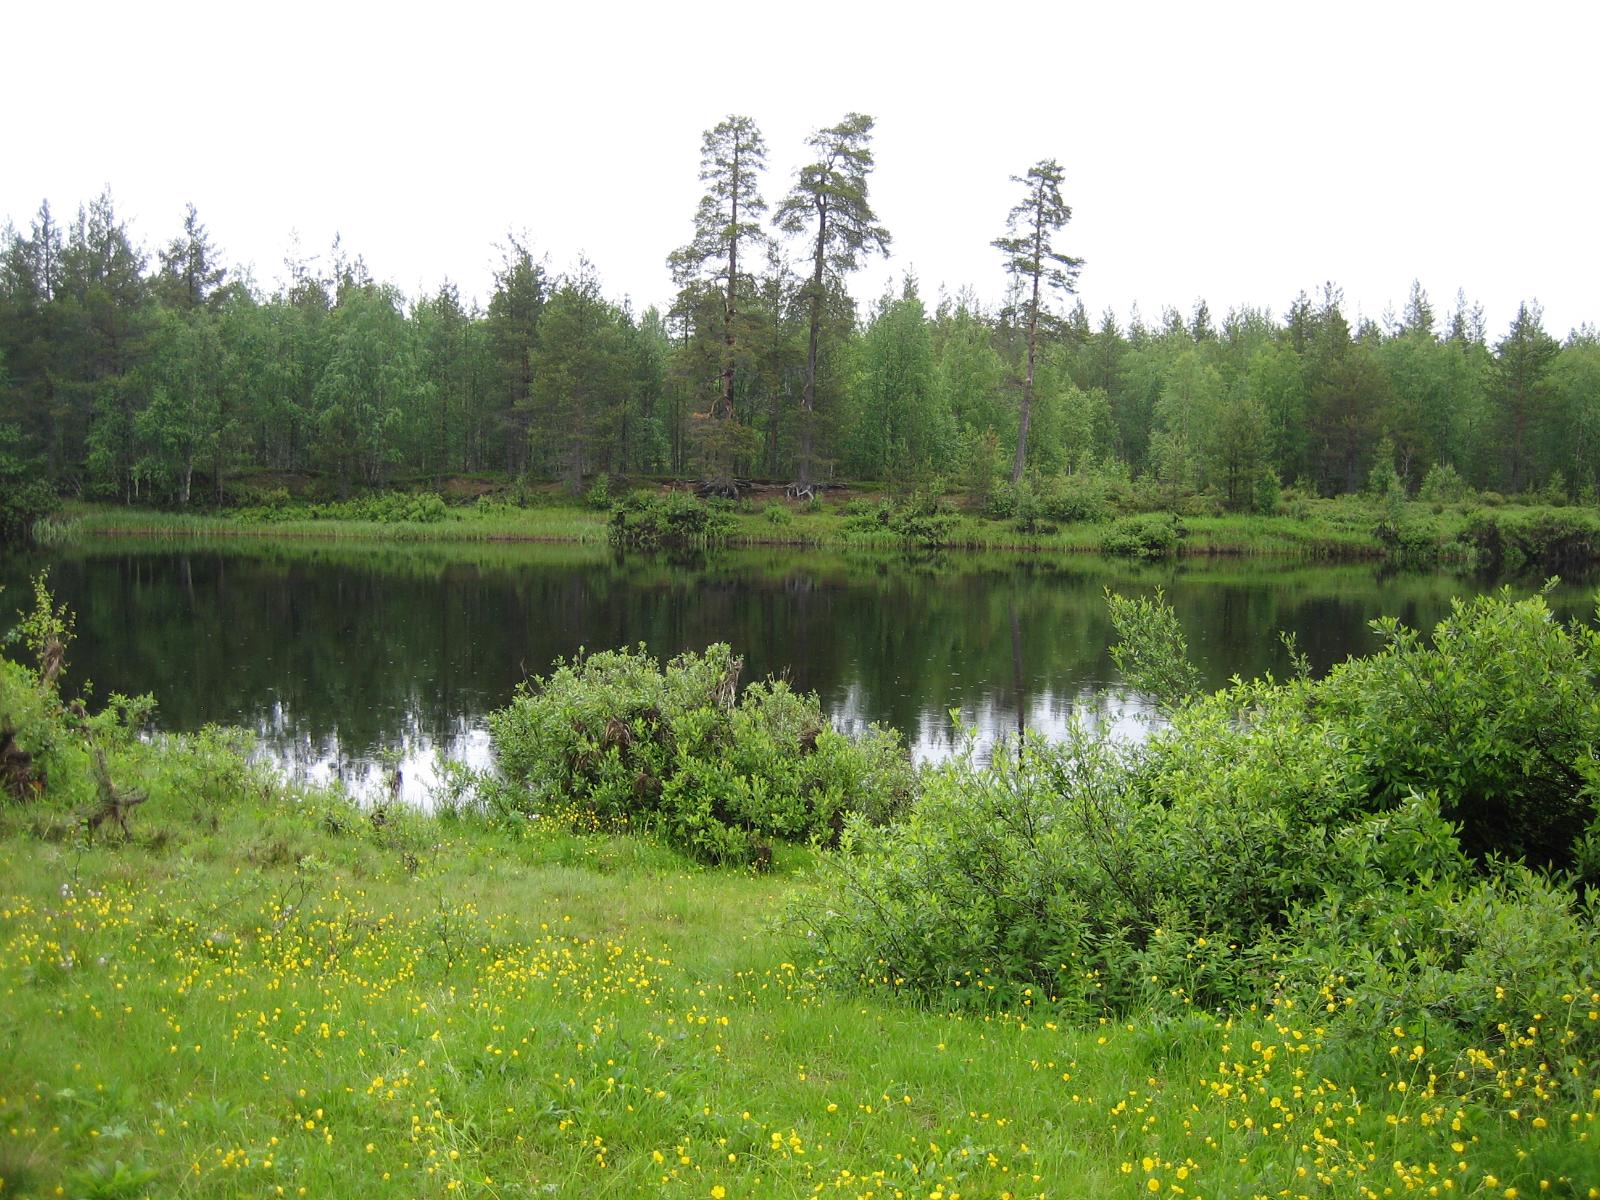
1033 261
829 202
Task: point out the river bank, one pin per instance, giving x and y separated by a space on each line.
1339 530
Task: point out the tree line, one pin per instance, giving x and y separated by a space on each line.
160 378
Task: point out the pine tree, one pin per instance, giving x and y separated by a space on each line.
580 375
732 156
521 290
1523 359
829 200
1031 257
189 275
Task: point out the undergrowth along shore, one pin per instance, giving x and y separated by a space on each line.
1512 537
267 987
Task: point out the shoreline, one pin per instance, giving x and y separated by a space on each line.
1347 538
1496 539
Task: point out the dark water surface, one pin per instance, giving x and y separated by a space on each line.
333 653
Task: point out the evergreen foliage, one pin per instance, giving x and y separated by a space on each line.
157 377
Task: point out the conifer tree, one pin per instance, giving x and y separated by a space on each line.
1032 260
829 200
190 274
732 156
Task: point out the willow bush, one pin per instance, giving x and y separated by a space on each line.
1412 838
618 738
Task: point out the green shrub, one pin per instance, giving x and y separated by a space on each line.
922 528
387 508
615 738
677 520
254 496
1296 503
1083 496
1073 874
980 456
1266 495
778 514
598 496
1001 504
1406 933
1407 541
1498 718
1555 491
1383 480
1152 652
31 738
1149 535
924 522
1546 542
979 894
1443 485
1355 842
45 741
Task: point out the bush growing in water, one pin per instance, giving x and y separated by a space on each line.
1151 535
678 520
1544 541
617 737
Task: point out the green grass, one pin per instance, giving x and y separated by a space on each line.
462 525
1342 529
268 990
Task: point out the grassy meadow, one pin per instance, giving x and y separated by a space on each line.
295 1002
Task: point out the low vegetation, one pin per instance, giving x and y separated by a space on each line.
1262 840
616 739
1326 937
676 520
1069 514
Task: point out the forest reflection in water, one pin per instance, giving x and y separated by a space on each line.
335 653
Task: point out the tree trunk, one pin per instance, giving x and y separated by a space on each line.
1025 417
728 307
808 398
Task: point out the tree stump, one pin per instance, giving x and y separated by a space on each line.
115 802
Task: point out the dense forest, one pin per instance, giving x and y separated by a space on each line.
167 377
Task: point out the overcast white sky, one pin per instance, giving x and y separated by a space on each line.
1237 152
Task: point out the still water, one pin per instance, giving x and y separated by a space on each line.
333 654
